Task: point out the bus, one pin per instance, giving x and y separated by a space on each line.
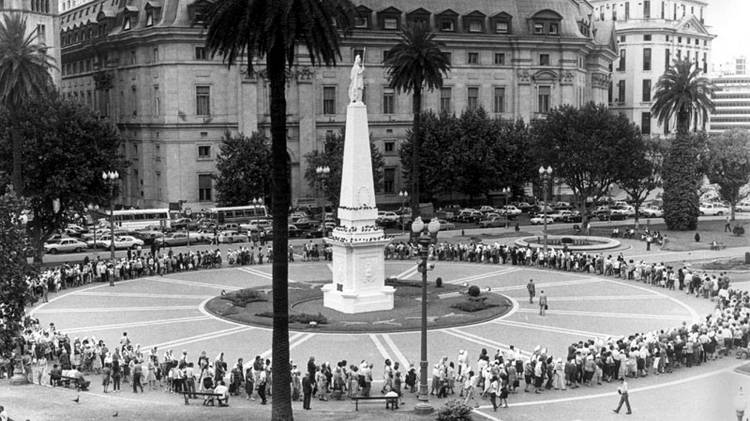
238 214
135 219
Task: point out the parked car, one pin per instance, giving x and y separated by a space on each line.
293 230
387 216
486 209
260 224
74 230
510 211
559 215
523 206
445 225
305 223
64 245
121 242
573 217
183 223
539 220
651 212
713 209
562 206
174 239
232 237
625 210
469 215
497 221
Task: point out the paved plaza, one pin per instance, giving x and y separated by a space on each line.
169 312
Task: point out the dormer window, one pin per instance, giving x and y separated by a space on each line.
195 11
501 27
418 16
149 18
475 26
554 28
447 21
126 24
447 25
538 28
546 22
474 22
362 17
502 23
390 19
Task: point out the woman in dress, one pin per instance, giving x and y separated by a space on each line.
151 374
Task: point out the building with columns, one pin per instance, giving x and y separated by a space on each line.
41 17
651 35
143 64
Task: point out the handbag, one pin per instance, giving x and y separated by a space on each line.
546 306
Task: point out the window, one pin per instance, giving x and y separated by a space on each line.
41 34
389 101
621 64
133 99
645 123
544 94
358 52
502 27
705 63
646 9
132 57
646 90
204 152
126 24
647 37
627 10
544 59
329 100
149 18
647 59
499 102
155 54
447 25
473 58
386 54
445 100
666 59
362 22
200 53
614 13
679 55
390 23
609 93
389 147
389 180
448 57
500 59
538 28
622 38
203 100
204 187
662 9
157 101
621 91
554 29
473 97
475 25
679 40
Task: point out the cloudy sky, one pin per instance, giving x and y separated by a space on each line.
728 20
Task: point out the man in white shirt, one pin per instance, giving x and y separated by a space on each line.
222 390
623 391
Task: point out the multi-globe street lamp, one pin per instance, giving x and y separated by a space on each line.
110 178
404 195
546 175
322 173
424 240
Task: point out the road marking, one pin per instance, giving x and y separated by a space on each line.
397 352
330 267
65 294
295 340
135 324
260 273
141 295
693 314
484 275
199 338
609 297
379 346
481 341
546 328
488 416
113 309
192 283
407 273
582 281
607 315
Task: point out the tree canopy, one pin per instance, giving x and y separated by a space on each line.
644 172
728 164
244 169
682 92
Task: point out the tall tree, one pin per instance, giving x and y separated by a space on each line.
14 269
729 164
683 93
67 148
588 148
244 169
472 152
272 30
24 76
416 62
332 156
643 173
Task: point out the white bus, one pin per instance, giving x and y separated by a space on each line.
135 219
238 214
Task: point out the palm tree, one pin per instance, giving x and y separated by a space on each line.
682 91
416 63
24 75
272 29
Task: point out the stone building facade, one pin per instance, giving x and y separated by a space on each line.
143 64
651 35
41 16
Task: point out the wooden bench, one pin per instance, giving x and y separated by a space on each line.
391 402
69 381
208 397
718 246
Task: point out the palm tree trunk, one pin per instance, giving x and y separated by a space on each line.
280 191
683 122
415 151
17 161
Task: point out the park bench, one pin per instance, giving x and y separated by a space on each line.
390 402
69 382
718 246
208 398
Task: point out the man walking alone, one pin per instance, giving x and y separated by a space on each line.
532 290
623 391
542 303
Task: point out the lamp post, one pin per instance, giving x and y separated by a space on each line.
110 178
546 174
506 192
94 209
404 195
425 239
322 173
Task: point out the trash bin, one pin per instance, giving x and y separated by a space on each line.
747 258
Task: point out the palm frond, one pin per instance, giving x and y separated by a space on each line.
417 60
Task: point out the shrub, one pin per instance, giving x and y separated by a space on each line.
394 282
474 291
303 318
738 230
567 240
454 410
439 282
244 297
472 306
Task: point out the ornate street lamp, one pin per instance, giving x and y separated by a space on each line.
404 195
546 174
322 172
424 240
110 178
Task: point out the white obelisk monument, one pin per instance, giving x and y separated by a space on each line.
358 244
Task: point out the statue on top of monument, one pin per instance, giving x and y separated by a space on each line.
357 83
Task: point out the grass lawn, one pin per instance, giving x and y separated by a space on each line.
306 299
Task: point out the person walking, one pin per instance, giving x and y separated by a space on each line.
494 389
727 225
542 303
740 403
307 390
532 290
623 391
